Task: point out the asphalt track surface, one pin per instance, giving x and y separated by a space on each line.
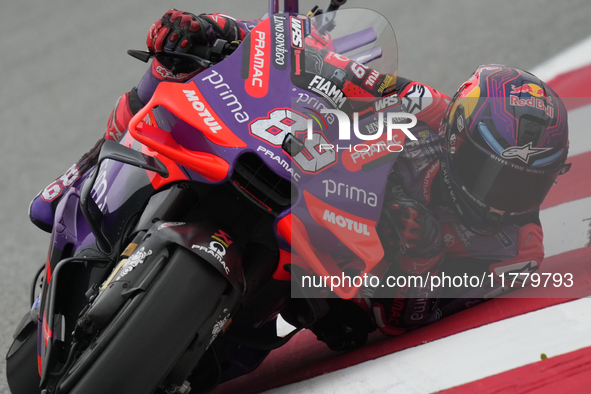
63 64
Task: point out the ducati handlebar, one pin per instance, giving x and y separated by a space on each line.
204 56
335 5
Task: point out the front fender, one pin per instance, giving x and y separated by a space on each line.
213 243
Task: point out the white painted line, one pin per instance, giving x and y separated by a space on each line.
464 357
579 126
574 57
566 226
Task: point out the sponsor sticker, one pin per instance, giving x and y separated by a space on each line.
534 103
328 90
257 83
134 260
279 46
297 33
352 193
522 153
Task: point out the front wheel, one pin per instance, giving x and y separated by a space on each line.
21 363
137 357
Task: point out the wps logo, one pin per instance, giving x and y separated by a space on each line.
297 35
385 103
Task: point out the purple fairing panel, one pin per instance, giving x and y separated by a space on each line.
282 106
118 191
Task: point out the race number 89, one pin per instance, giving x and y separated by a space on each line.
274 128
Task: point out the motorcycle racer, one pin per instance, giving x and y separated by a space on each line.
464 199
424 226
469 201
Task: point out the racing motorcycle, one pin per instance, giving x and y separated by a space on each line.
171 260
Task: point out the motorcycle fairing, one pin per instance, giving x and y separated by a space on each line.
197 146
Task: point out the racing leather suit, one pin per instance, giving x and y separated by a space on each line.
416 176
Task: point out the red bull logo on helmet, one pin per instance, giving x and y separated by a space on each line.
537 92
532 89
533 102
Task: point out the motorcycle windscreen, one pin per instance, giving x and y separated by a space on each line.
362 35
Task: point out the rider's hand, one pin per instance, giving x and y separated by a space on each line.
345 327
179 31
417 230
417 226
183 32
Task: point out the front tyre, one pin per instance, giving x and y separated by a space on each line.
138 357
21 363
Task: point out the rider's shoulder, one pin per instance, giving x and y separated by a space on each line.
407 87
424 101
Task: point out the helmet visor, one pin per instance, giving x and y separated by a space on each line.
494 182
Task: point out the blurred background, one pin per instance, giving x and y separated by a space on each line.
63 65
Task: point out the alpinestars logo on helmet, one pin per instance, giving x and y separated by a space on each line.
522 153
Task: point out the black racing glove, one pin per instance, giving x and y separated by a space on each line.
416 229
183 32
345 327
